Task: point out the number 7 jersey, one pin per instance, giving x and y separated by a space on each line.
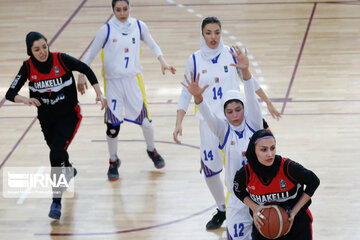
121 52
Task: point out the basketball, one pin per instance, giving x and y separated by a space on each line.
276 223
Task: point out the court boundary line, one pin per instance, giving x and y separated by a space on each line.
298 58
129 230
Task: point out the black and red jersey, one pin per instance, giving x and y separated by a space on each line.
282 190
285 189
55 90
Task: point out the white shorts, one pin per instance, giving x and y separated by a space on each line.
212 158
239 223
128 93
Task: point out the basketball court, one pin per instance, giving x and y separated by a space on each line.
306 56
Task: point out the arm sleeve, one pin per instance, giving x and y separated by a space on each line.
304 176
148 40
17 84
218 126
185 96
256 84
96 45
252 108
74 64
240 184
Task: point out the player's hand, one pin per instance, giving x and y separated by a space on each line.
31 102
176 133
193 86
291 220
258 217
165 67
102 100
241 58
81 84
273 111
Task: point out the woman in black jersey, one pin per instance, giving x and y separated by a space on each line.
271 179
53 91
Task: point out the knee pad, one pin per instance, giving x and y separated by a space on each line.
112 131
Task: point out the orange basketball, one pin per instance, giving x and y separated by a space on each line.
276 223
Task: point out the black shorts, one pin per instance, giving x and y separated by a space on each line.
60 130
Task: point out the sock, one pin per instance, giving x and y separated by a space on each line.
148 132
216 188
113 147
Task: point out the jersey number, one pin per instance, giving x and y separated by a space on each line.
127 61
239 227
217 93
114 101
208 156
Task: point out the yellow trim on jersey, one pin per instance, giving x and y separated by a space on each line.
103 70
142 88
227 198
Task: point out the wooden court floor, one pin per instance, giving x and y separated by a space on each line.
305 54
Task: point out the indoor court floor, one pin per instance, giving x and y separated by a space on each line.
304 53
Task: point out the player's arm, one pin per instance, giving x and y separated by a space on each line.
183 104
148 40
96 46
261 93
77 65
16 85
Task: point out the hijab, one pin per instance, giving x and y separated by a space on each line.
43 67
123 27
206 52
264 173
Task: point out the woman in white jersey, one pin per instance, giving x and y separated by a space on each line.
120 41
213 63
243 118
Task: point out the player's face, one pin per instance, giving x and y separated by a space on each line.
265 151
212 34
40 50
121 11
234 113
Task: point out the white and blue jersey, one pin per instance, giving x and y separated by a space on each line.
124 87
220 77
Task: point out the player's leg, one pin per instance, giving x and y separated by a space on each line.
137 112
239 223
212 163
216 187
113 119
64 130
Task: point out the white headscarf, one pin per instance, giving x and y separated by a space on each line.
123 27
206 52
235 95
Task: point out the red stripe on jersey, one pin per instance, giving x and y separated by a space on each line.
311 217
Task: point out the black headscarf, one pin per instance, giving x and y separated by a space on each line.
264 173
43 67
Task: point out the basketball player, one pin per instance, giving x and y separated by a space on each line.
120 41
213 63
53 92
242 119
271 179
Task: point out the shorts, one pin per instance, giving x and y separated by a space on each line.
126 94
239 223
212 158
